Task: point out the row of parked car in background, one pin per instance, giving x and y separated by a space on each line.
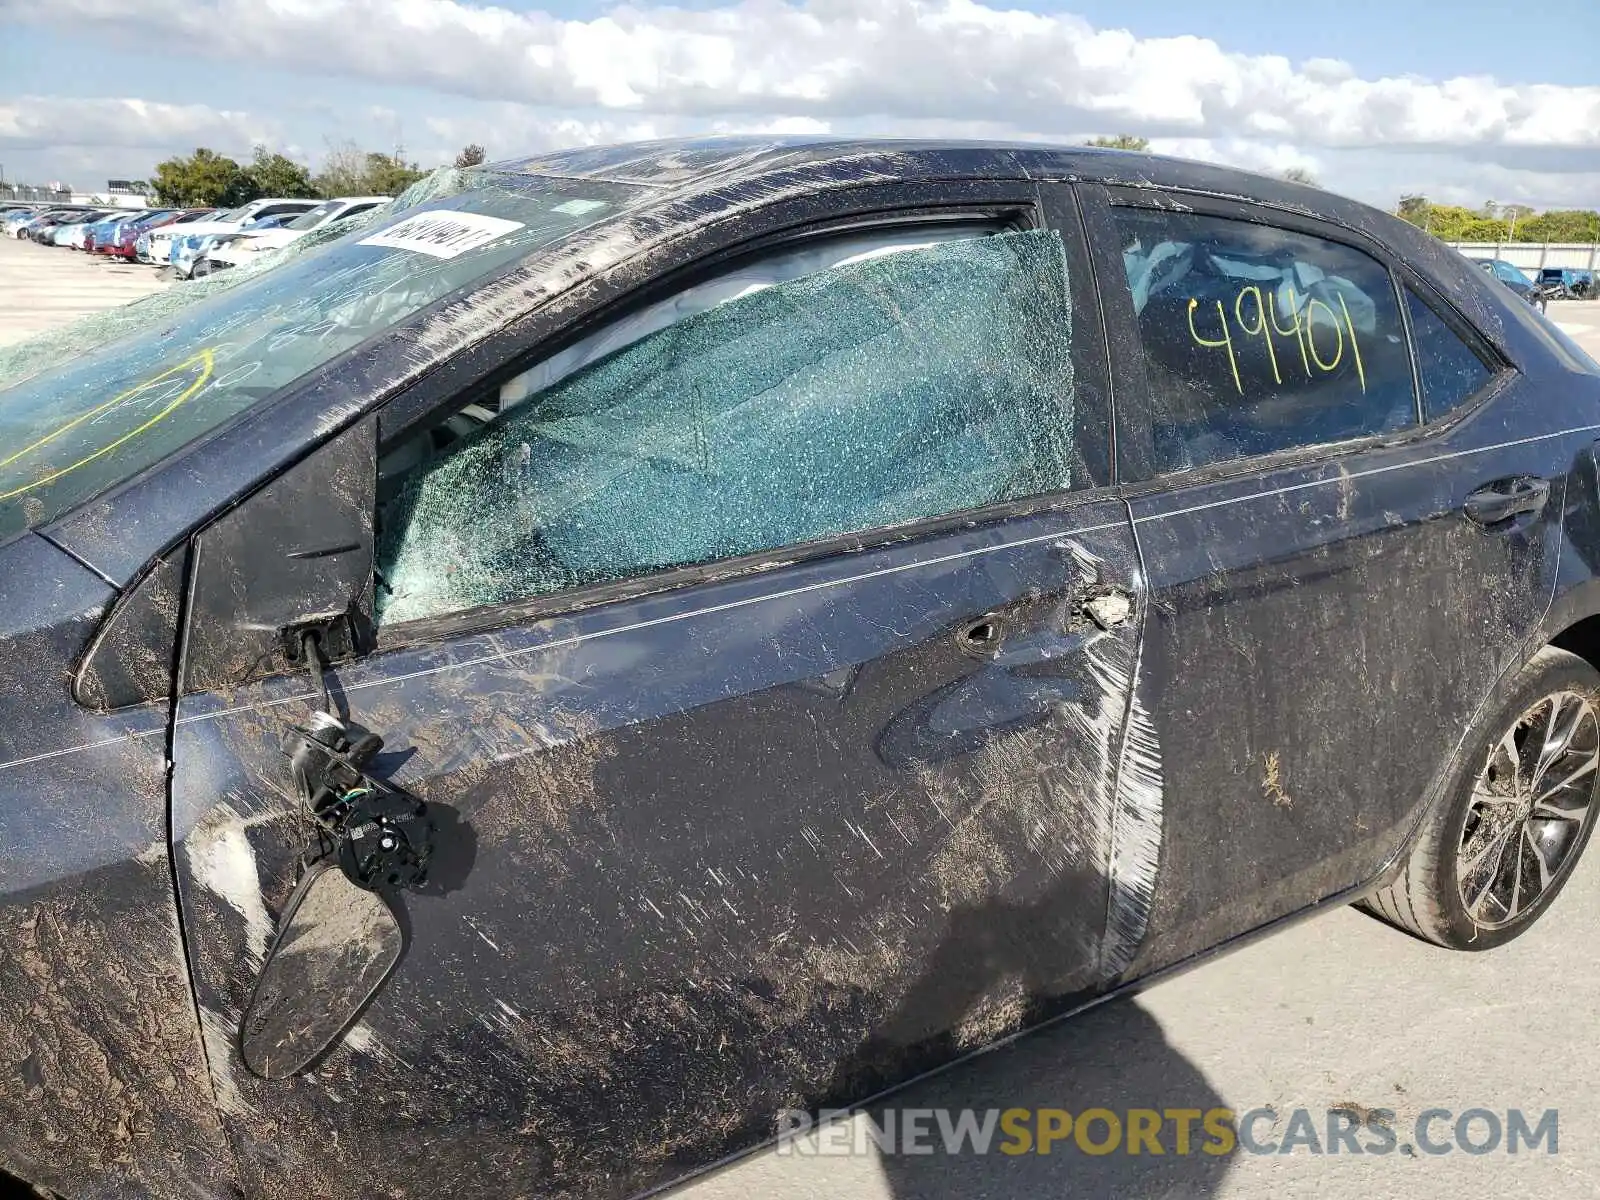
192 242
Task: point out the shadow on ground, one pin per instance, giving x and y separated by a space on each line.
1114 1057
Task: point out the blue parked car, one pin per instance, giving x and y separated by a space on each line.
99 232
1514 278
188 249
13 220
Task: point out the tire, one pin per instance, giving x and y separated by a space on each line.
1527 775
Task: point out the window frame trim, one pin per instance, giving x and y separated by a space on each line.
1137 467
673 268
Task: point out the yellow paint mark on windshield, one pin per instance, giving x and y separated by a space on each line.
205 359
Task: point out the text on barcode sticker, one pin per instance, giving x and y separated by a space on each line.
442 233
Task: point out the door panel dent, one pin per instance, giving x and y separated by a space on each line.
708 883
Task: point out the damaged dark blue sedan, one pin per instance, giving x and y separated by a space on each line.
635 641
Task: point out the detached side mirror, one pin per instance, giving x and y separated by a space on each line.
337 944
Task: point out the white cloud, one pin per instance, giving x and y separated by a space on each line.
523 82
1271 158
39 122
947 60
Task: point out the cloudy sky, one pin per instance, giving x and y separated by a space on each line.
1461 100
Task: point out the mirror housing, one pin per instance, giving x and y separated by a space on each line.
337 944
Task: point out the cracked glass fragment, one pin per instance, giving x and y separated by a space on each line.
891 388
93 404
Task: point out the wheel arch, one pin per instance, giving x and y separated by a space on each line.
1572 624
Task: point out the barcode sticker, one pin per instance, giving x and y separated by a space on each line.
442 233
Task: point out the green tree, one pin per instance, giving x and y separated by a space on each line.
1416 209
389 174
1451 222
1561 225
349 171
1500 223
1122 141
203 178
1483 229
471 156
275 175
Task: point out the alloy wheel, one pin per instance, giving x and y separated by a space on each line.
1530 808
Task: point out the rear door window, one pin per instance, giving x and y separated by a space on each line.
1258 339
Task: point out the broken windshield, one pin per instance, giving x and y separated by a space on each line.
119 406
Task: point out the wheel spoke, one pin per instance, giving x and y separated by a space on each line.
1514 868
1557 737
1479 796
1544 866
1567 780
1490 844
1493 875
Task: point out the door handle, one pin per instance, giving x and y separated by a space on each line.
1507 498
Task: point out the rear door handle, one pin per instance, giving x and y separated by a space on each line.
1507 498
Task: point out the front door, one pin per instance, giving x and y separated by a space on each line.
765 659
1328 605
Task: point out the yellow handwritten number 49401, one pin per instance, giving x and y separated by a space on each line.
1264 323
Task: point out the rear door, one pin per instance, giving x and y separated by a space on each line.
1339 567
765 654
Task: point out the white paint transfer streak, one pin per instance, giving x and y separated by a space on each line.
224 863
1136 836
1126 803
473 925
219 1032
363 1039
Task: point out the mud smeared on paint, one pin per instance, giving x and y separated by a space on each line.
110 1096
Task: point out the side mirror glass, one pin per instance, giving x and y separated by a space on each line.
337 944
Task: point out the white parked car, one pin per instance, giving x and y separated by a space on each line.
226 250
161 240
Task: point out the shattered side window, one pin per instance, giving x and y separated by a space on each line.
889 388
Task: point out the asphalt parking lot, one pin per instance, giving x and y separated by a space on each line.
42 287
1582 321
1338 1012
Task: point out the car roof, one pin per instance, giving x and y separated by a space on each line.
682 167
692 163
722 173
